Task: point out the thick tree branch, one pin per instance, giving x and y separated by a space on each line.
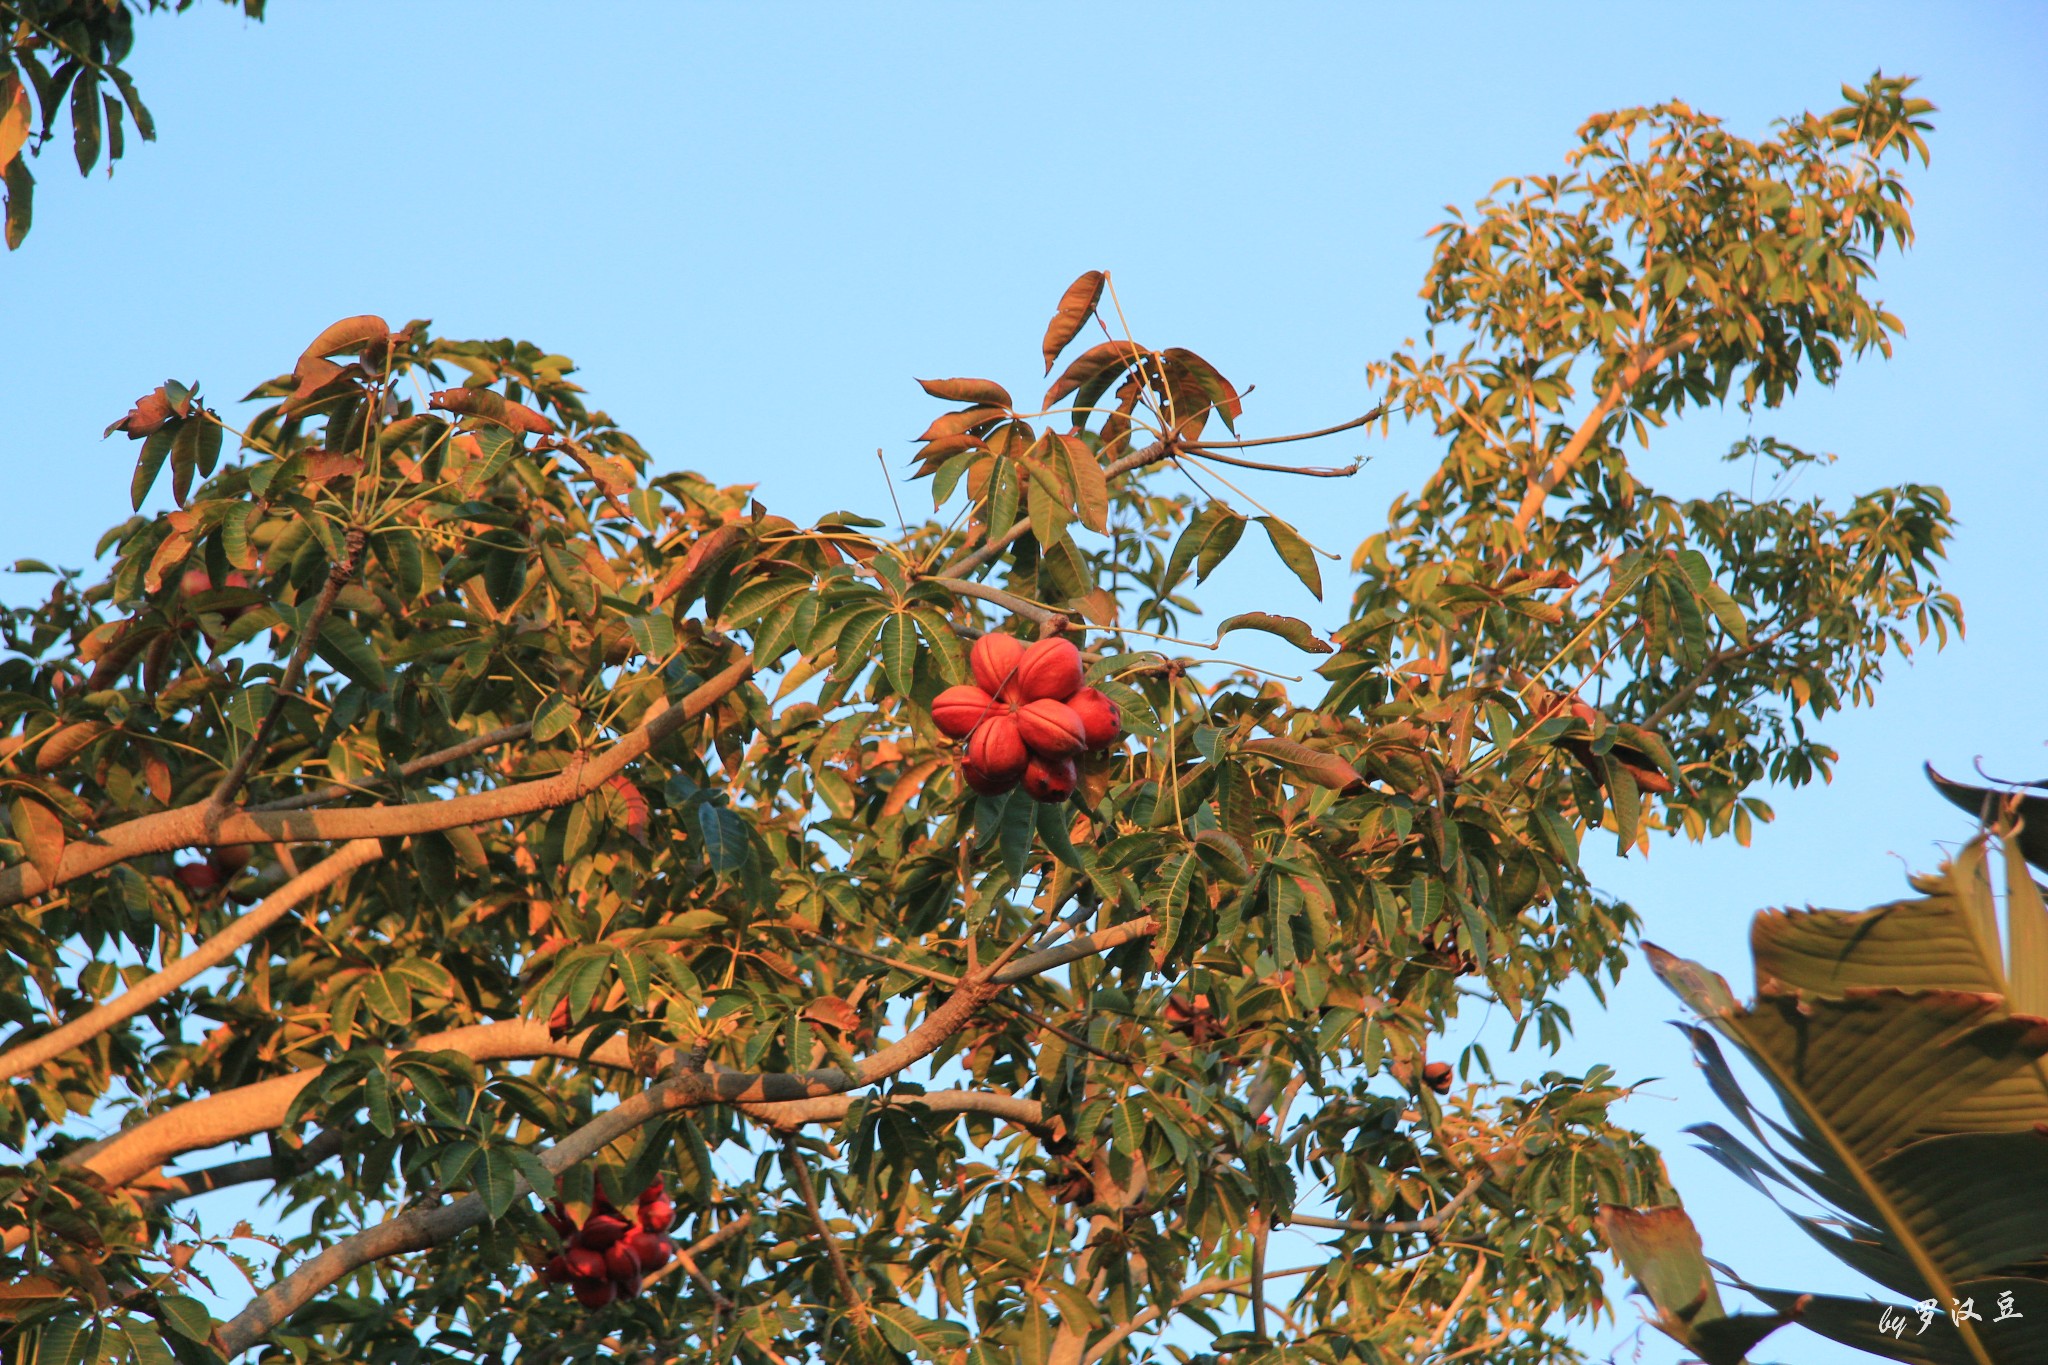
189 826
418 1229
1574 449
216 950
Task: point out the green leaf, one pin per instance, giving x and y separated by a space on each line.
187 1316
1295 553
85 121
377 1101
654 635
156 447
388 996
497 1180
1292 629
555 714
343 646
1127 1127
899 651
246 709
537 1175
725 837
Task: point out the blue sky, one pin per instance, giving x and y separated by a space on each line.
753 225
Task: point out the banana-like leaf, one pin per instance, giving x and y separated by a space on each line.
1661 1249
1916 1105
1984 803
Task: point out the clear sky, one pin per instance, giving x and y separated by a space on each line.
752 225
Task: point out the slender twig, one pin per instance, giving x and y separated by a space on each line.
1306 471
410 768
338 574
1373 416
1430 1224
1121 1059
800 1173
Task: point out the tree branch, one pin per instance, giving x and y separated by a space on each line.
338 574
1429 1224
800 1175
216 950
1352 425
1200 1290
1566 459
418 1229
490 739
189 827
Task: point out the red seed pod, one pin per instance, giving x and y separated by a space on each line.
994 659
198 878
194 582
600 1230
655 1190
583 1263
657 1215
557 1216
1101 720
595 1291
1050 779
1437 1076
653 1251
559 1022
620 1263
1049 669
997 748
957 710
981 782
1051 729
557 1271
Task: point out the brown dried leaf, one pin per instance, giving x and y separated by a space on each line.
149 414
488 406
1077 305
1313 765
39 831
984 392
1097 366
350 335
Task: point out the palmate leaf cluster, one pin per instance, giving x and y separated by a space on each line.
572 824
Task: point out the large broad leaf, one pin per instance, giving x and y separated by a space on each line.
1985 802
1899 1331
1661 1249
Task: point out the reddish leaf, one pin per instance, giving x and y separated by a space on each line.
1312 765
1292 629
149 414
350 335
966 419
979 391
1096 368
40 832
1077 305
488 406
1199 389
707 549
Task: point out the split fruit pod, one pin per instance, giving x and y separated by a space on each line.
994 659
997 748
1100 719
982 784
1051 729
957 710
1049 670
1050 779
595 1291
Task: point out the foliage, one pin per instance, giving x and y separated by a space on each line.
442 794
68 55
1907 1050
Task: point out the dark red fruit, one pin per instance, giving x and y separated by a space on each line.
1100 719
584 1263
557 1271
1437 1076
600 1230
1050 669
1050 779
559 1022
657 1215
997 748
620 1263
652 1251
199 878
957 710
981 782
994 659
595 1292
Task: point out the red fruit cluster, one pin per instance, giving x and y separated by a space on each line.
1025 717
608 1257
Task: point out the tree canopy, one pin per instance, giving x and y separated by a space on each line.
458 809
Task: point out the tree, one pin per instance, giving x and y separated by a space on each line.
440 796
68 54
1906 1046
